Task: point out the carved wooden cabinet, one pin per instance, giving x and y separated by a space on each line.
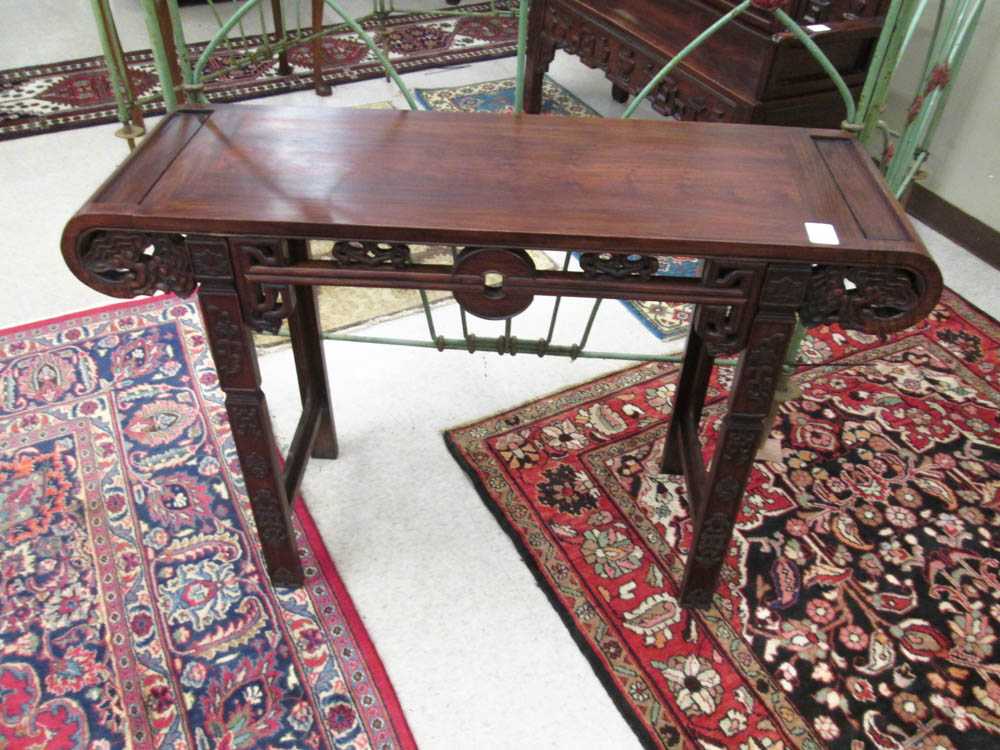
752 70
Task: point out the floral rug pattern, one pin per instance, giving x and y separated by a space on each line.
77 93
134 607
667 321
860 602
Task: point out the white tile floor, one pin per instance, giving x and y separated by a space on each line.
475 651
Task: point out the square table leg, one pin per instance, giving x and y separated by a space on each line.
231 342
310 361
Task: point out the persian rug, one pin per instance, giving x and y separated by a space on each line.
859 606
77 93
135 610
664 320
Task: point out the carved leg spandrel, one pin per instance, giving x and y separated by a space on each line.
310 361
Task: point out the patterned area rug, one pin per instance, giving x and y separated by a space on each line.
664 320
77 93
860 603
135 610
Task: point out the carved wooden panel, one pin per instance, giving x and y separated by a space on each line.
129 264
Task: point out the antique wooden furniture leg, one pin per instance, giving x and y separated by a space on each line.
231 342
538 58
322 88
715 502
688 398
310 362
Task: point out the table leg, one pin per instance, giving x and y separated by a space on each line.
310 361
322 87
236 362
749 403
689 398
537 59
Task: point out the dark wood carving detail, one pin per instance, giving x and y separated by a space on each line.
870 299
226 340
269 515
243 419
128 264
724 328
676 96
210 258
784 287
372 254
713 541
265 305
740 446
761 366
619 266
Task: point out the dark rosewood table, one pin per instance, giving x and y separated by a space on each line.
224 200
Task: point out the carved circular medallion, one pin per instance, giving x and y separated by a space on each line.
493 298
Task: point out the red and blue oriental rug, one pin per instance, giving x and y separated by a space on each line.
860 602
134 607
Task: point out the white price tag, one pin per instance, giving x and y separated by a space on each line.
821 234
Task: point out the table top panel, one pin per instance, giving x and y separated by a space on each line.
536 181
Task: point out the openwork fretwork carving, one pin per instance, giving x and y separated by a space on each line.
618 266
724 328
363 253
873 300
266 305
128 264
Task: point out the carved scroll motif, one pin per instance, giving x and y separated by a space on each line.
873 300
265 305
724 328
128 264
363 253
618 266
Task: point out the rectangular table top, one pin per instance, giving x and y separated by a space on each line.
527 181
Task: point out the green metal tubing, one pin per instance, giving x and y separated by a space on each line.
180 44
388 66
159 55
675 61
522 47
960 46
213 43
828 67
880 70
115 66
871 110
492 344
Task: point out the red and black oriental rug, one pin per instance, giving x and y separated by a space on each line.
860 602
77 93
134 607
